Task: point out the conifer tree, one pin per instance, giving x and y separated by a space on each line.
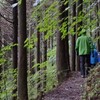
62 56
22 53
73 37
15 35
79 27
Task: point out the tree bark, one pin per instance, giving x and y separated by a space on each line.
22 53
38 50
73 39
62 56
38 60
44 60
0 55
31 52
15 35
79 25
98 25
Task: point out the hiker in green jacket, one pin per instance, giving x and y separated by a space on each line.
83 48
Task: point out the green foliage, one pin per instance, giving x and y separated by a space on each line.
34 80
52 55
86 1
3 52
51 77
92 85
96 39
19 2
47 23
30 42
63 29
7 84
45 17
7 74
2 61
48 69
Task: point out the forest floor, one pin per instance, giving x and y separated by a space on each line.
71 89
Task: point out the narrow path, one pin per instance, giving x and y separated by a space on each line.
68 90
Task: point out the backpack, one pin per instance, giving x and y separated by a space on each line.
94 57
99 57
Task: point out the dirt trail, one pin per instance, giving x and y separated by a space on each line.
68 90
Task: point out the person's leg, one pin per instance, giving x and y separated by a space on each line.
82 65
88 64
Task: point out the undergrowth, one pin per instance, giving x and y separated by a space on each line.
92 85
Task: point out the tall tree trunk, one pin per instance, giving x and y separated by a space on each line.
62 58
51 42
38 60
98 25
73 39
22 53
31 31
0 55
79 11
79 26
38 50
15 35
44 60
31 52
48 42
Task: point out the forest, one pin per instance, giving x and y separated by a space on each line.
37 49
